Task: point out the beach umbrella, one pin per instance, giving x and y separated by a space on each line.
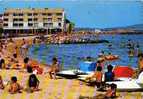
123 71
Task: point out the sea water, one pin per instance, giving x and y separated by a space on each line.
70 55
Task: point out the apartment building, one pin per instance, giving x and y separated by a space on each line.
1 20
32 20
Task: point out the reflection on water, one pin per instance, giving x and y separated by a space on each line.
71 54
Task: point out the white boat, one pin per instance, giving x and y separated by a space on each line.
72 73
67 74
129 84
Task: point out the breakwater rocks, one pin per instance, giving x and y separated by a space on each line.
85 41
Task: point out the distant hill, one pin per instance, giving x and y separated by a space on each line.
84 29
137 27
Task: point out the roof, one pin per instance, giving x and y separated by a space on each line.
38 10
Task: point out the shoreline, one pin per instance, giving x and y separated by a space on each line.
45 83
79 33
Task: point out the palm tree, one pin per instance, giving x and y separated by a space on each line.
69 26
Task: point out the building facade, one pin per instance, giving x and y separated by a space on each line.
33 20
1 21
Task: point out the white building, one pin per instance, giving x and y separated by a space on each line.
33 20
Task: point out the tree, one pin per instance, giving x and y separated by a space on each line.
71 27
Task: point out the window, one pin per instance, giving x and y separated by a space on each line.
29 14
35 14
45 24
49 14
15 19
35 24
59 14
44 14
35 19
5 24
5 19
20 14
20 19
45 19
15 24
30 19
49 19
30 24
59 19
20 24
6 14
50 24
15 14
59 24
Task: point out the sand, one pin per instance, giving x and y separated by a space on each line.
53 89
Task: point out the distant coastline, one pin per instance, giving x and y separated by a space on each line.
133 29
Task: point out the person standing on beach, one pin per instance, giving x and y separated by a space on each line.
54 68
98 75
109 75
24 48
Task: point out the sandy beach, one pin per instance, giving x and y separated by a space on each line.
52 89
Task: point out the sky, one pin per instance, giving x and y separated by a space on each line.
89 13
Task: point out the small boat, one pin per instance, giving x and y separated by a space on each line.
111 57
70 74
129 84
108 58
85 68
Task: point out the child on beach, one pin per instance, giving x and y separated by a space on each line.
109 75
26 62
27 65
33 83
54 68
1 83
14 58
14 86
15 62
